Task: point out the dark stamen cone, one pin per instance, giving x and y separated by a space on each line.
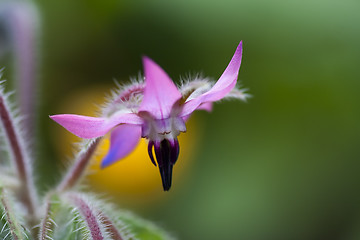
166 153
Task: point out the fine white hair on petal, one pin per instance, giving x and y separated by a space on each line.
193 86
125 97
238 93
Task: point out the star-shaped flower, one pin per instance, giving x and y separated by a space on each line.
154 109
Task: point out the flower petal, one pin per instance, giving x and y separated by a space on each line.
124 139
160 92
92 127
207 106
223 86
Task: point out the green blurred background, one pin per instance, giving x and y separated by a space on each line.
286 164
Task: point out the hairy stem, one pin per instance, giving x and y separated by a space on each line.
11 224
19 156
115 234
46 224
88 214
77 170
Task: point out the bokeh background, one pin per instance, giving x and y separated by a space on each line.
285 165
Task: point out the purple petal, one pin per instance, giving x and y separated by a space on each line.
124 139
223 86
160 92
92 127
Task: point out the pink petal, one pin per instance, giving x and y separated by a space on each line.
124 138
223 86
92 127
207 106
160 92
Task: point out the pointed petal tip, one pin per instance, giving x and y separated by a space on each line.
148 63
92 127
81 126
59 118
237 55
124 139
160 93
222 87
240 46
104 164
54 117
108 160
239 50
145 58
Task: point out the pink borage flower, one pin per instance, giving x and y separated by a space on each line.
155 109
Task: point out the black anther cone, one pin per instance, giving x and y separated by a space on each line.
166 156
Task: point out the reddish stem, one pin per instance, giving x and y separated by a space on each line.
19 156
88 215
76 172
46 223
12 226
115 234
